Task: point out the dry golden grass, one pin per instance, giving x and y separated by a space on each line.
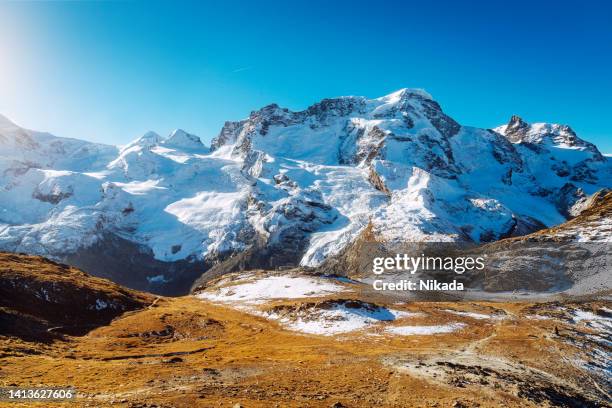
216 356
186 352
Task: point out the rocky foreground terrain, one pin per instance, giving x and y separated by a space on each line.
293 339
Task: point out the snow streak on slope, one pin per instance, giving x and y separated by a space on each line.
300 184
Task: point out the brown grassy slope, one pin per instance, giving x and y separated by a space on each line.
39 296
184 352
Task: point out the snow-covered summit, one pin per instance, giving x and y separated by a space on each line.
180 138
341 130
555 135
283 188
404 94
149 139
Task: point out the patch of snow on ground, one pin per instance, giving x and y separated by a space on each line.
593 320
581 315
335 317
599 231
157 279
101 304
425 330
538 317
338 319
479 316
273 287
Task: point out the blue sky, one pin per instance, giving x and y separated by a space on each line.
109 71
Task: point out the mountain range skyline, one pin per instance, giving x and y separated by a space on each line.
284 187
208 139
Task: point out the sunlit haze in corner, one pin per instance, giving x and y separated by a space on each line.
110 71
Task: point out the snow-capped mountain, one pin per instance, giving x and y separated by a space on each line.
297 186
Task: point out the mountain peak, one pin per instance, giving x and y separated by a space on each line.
516 130
181 138
404 93
150 135
516 122
149 139
519 131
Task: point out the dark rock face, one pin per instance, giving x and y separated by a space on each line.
517 129
292 222
547 261
446 125
335 107
505 153
544 266
134 266
347 151
525 225
561 169
258 123
438 156
288 231
227 134
378 182
375 149
361 146
583 172
54 197
567 197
